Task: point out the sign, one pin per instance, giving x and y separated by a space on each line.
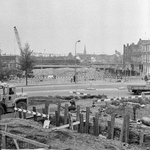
46 124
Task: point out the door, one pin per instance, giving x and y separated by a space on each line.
10 96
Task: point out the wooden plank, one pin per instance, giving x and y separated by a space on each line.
16 144
70 122
43 112
65 126
94 131
109 130
127 128
87 120
77 117
4 140
46 107
58 110
20 114
66 114
24 115
134 113
112 125
35 117
78 113
24 139
81 124
97 124
122 130
56 118
30 117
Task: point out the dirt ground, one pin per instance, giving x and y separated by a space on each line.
64 139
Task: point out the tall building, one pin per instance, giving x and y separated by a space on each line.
136 57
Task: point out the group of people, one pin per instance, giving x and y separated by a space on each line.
73 79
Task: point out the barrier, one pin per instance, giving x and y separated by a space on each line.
31 112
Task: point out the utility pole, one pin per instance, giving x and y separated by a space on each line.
75 76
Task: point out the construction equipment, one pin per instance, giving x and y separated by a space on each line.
9 99
17 38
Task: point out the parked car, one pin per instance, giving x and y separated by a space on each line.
138 89
145 94
51 76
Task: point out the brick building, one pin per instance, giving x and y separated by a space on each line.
136 57
11 61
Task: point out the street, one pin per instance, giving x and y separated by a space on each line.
109 89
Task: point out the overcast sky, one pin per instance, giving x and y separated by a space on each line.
53 26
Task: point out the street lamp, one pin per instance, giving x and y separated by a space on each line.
75 61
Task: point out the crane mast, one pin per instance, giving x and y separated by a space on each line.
17 38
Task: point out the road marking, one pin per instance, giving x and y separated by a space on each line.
66 90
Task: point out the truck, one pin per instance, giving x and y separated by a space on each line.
138 89
10 99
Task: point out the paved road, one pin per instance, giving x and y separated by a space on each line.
110 89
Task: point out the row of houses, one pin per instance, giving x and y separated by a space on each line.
137 56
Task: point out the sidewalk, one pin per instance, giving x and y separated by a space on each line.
66 82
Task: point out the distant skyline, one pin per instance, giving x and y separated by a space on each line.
53 26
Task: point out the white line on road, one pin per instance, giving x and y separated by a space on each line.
67 90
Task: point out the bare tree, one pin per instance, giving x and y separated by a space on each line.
26 61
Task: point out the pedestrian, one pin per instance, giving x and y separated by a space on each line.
146 78
72 106
74 78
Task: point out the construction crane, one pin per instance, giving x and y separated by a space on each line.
17 38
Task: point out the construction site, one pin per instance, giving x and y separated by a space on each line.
90 120
81 81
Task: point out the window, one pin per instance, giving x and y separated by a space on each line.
11 92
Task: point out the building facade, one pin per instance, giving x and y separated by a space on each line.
11 61
136 57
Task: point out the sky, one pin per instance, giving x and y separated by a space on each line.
54 26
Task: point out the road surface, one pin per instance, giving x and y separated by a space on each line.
112 90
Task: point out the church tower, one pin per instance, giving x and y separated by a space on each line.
84 50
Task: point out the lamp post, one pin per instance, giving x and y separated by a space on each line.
75 61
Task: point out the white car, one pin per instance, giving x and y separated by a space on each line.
145 94
50 76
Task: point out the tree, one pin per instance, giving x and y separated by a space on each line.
70 55
26 61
